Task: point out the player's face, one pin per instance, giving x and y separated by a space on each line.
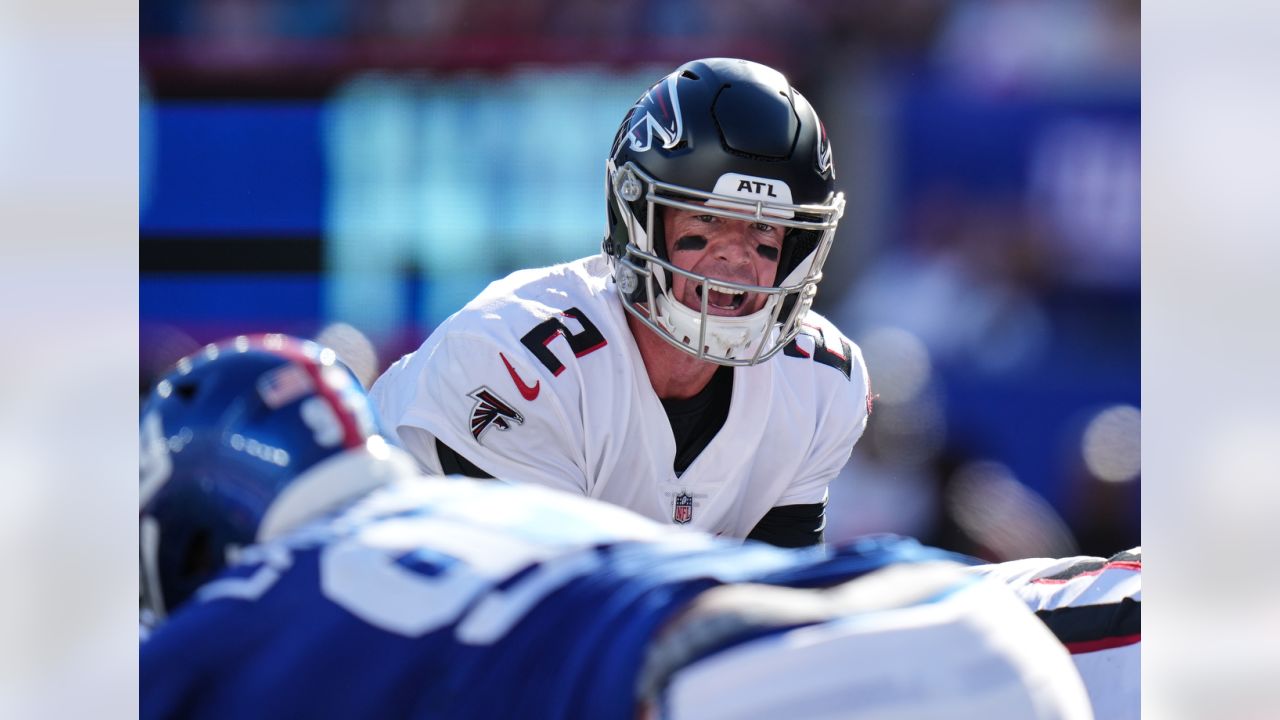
736 250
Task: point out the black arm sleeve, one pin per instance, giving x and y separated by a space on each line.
455 464
792 525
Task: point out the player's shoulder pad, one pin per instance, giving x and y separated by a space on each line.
509 307
515 340
820 341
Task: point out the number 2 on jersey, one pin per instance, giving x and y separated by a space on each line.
586 341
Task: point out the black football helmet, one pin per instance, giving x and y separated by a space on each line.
730 138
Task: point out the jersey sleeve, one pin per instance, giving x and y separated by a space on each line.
1094 607
843 417
487 404
791 525
1090 603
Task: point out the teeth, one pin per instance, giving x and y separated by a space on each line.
725 298
725 290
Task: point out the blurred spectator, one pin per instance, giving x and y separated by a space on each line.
999 46
890 483
963 283
1102 466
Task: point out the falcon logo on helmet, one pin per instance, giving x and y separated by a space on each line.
491 410
824 150
657 113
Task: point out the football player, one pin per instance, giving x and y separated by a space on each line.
679 373
295 565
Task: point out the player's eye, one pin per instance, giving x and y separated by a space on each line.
768 252
705 218
763 227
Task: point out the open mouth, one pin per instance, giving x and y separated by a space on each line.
722 298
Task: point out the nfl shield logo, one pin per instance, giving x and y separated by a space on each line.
683 509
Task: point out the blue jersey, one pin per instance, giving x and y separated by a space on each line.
457 599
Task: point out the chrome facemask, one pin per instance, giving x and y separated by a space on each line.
733 341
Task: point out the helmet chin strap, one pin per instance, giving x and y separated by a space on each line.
729 337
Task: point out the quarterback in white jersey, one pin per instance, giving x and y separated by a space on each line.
593 425
1094 606
680 373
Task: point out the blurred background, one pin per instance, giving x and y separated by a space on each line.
356 171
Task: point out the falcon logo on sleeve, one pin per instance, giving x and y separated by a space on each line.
491 410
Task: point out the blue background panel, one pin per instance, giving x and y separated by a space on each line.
235 168
260 299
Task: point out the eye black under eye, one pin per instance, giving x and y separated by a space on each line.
691 242
767 252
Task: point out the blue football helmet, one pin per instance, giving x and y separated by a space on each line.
240 442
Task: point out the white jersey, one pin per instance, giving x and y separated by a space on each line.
967 652
1094 606
539 379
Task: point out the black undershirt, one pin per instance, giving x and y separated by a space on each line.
694 422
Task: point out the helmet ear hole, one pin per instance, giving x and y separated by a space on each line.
192 561
198 560
185 391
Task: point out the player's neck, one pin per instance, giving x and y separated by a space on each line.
673 373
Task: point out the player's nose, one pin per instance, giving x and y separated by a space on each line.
733 243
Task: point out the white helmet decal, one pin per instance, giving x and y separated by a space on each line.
664 99
824 147
753 189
